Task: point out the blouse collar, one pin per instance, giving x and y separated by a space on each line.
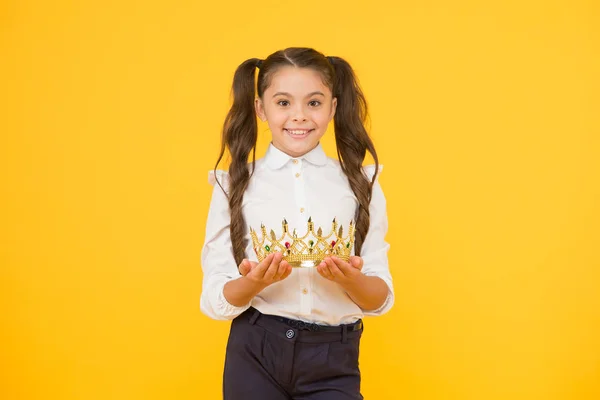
276 158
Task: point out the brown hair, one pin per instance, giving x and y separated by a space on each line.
240 132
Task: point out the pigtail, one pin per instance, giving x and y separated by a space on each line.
353 141
240 133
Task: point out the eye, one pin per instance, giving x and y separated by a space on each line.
314 103
283 103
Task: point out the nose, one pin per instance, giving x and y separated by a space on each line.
299 114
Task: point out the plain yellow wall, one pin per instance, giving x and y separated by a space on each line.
485 115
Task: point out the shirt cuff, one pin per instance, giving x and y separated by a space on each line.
226 309
214 304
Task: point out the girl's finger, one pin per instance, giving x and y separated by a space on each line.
320 270
323 269
333 269
357 262
244 267
342 265
287 271
273 267
262 267
281 270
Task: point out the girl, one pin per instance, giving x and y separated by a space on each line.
296 331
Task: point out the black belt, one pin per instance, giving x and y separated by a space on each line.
309 326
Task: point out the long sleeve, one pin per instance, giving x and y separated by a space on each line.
218 263
375 248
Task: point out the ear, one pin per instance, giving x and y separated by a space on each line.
260 109
333 107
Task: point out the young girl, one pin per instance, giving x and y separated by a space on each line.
296 331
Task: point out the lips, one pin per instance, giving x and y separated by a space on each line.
298 132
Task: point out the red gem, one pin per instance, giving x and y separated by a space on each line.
287 245
333 243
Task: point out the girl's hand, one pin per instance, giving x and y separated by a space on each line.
367 292
340 271
270 270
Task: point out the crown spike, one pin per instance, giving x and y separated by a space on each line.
285 226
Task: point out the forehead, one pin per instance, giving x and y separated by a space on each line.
297 81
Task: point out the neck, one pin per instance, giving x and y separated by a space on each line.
295 155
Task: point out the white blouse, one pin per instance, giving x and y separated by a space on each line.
295 189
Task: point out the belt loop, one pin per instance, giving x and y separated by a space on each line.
254 317
344 333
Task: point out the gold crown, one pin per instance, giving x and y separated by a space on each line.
308 250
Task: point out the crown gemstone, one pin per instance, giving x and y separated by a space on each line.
267 248
287 245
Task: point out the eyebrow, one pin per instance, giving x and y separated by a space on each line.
309 95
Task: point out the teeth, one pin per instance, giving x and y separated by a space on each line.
297 132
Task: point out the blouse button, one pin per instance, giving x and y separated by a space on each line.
302 210
297 174
295 161
304 291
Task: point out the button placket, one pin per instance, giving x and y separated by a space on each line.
304 286
304 274
299 192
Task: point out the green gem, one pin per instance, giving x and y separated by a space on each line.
347 245
310 242
268 248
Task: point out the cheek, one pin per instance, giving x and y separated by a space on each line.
322 118
280 120
275 119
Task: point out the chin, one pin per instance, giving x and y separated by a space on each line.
296 151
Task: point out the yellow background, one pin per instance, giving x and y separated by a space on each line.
485 114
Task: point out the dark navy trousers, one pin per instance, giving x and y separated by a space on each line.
270 358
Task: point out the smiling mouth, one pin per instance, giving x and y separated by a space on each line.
298 132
